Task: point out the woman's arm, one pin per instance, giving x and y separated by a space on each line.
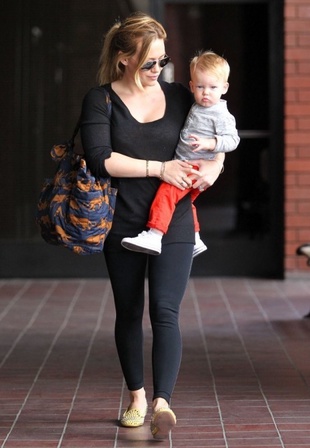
172 171
119 165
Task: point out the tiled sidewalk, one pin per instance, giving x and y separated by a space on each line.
244 381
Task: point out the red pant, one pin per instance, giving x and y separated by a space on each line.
164 204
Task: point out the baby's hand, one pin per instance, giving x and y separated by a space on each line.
202 144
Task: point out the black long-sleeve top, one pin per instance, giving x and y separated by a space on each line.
155 140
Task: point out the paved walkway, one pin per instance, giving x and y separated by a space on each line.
244 380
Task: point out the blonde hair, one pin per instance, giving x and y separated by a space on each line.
210 61
121 42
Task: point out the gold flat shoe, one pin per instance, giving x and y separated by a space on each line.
162 423
132 418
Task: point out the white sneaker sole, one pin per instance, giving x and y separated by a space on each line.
139 248
199 250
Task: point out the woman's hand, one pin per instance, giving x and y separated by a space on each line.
176 173
209 171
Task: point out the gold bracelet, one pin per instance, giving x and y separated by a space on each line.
147 168
162 170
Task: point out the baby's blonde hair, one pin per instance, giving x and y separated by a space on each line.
211 62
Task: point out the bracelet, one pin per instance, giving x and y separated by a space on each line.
147 168
162 170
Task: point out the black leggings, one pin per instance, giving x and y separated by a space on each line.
168 275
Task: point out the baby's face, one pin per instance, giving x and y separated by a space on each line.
207 88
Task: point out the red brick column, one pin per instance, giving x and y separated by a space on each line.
297 131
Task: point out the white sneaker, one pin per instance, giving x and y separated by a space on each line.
304 249
199 246
145 242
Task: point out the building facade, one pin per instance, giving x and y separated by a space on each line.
297 130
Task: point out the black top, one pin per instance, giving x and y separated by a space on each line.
156 140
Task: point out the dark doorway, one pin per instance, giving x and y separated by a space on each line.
50 51
241 216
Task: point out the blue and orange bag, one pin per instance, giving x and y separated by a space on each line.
75 210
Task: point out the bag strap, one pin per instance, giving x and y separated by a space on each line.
108 102
75 132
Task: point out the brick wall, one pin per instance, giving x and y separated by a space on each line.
297 131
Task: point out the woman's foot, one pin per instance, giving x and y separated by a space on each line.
135 413
163 419
132 418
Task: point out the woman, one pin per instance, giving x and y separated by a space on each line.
143 130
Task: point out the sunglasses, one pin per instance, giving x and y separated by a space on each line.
161 62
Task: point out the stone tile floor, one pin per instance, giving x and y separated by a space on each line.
244 379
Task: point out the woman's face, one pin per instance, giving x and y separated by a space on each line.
149 77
